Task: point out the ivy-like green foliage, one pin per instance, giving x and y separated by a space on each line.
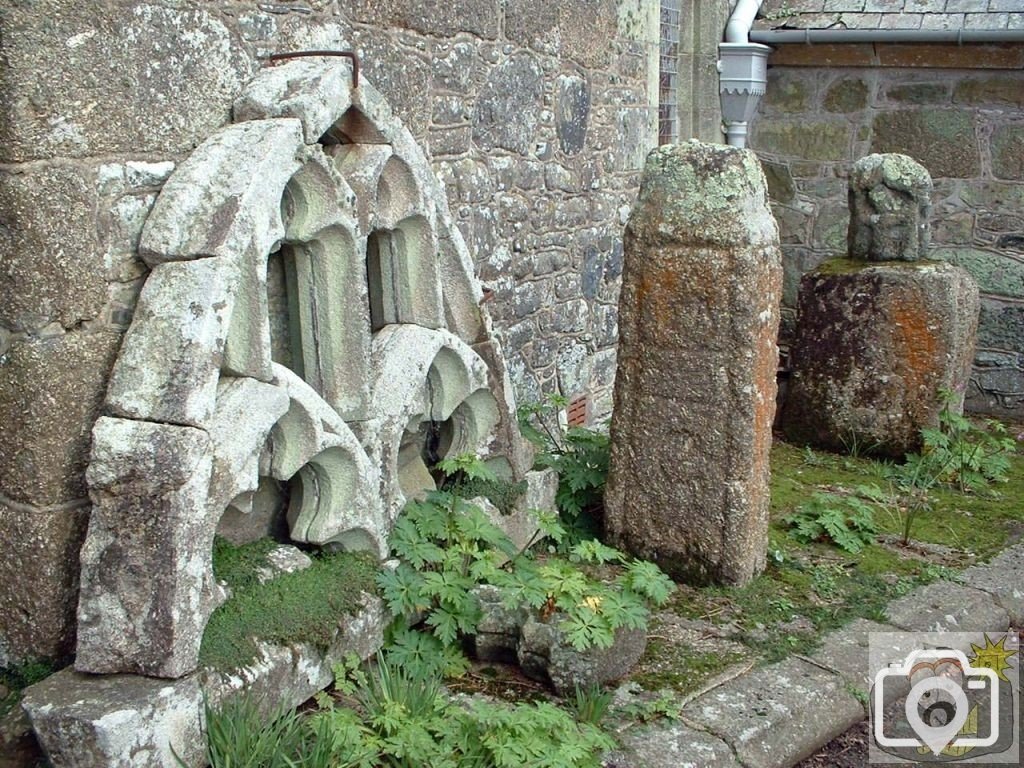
580 458
402 719
446 547
846 521
295 607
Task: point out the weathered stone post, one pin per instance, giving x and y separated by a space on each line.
882 334
695 386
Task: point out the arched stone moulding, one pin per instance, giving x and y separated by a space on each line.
198 414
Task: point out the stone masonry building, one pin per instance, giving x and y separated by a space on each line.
535 116
939 80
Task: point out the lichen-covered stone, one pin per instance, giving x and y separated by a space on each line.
545 654
52 270
171 357
874 347
225 199
1008 152
508 108
39 580
890 205
695 387
146 562
134 79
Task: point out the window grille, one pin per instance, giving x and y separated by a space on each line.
668 72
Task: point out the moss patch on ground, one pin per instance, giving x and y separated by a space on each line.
304 606
808 590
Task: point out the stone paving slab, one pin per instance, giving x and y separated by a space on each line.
846 652
948 607
774 716
666 744
1003 578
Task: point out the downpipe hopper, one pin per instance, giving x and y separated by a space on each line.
743 72
743 75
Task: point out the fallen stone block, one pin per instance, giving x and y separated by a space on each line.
777 715
876 345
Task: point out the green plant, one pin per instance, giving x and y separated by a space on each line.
845 520
590 704
239 736
295 607
401 718
579 456
662 704
446 547
958 453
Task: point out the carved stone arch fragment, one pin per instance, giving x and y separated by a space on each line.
254 363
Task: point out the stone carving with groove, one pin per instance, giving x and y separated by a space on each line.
311 318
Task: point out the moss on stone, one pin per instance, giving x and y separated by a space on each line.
300 607
853 266
678 667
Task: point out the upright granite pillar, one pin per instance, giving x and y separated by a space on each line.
881 335
695 386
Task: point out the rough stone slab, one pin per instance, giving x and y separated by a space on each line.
127 721
39 580
114 87
697 358
117 721
874 347
51 391
847 652
314 91
246 410
146 563
53 269
947 607
777 715
890 206
171 356
225 198
545 654
669 745
1003 578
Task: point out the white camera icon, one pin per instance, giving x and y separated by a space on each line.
938 677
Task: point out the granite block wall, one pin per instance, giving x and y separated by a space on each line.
965 124
536 116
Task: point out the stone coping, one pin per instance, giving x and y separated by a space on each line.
130 721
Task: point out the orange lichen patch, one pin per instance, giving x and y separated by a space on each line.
917 343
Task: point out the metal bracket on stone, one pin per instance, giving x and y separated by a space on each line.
276 57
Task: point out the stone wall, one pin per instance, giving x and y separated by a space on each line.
534 114
828 106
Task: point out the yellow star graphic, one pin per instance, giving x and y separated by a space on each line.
993 656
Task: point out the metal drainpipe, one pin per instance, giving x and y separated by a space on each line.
823 36
743 72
